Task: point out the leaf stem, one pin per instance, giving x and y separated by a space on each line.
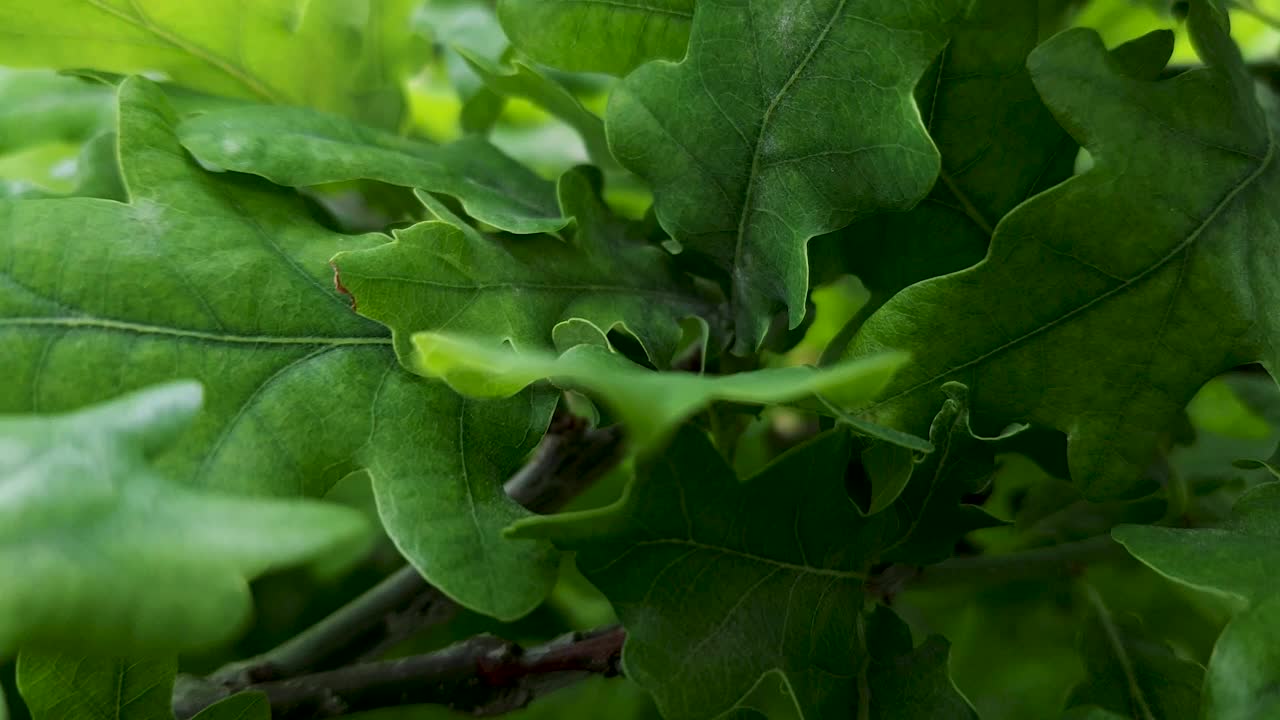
1117 644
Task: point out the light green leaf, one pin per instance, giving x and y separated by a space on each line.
115 557
68 687
1076 322
243 706
785 121
720 582
650 404
609 36
222 278
299 147
1238 560
41 107
438 277
267 50
1244 670
524 81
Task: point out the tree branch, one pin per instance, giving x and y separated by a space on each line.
484 675
570 458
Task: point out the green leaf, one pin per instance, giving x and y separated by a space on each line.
1091 328
1244 671
524 81
299 147
783 122
929 515
1237 560
4 705
114 557
719 583
243 706
68 687
1091 713
224 279
41 107
1134 675
438 277
609 36
999 145
649 403
268 50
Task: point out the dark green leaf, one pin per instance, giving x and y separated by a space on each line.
1076 322
610 36
1239 559
438 277
1243 680
110 556
720 582
223 279
297 147
784 122
67 687
328 54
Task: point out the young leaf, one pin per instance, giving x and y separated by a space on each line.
1244 670
929 517
720 582
1133 675
67 687
609 36
269 50
298 147
785 121
114 557
223 279
650 404
437 277
524 81
1075 321
1237 560
242 706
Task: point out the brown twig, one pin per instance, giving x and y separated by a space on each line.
484 675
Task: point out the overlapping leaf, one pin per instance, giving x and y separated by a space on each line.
1239 559
720 582
223 279
444 278
298 147
110 556
41 107
785 121
650 404
1078 321
268 50
66 687
610 36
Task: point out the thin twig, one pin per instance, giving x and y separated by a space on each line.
484 675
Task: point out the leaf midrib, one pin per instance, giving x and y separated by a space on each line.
1132 282
95 323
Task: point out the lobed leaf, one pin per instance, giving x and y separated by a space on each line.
784 121
1074 321
650 404
268 50
299 147
719 583
440 277
609 36
223 279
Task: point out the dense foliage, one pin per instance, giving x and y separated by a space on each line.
714 358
